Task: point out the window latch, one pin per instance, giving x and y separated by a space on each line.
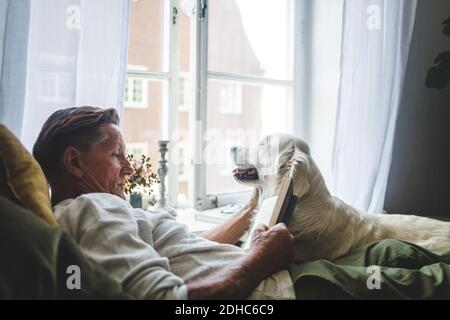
174 15
203 8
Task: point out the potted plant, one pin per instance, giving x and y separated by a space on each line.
141 181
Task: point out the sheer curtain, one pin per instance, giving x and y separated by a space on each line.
14 20
375 48
60 53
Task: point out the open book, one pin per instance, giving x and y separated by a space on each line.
275 209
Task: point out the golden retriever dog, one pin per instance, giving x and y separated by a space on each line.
325 227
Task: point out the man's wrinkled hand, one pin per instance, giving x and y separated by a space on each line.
272 248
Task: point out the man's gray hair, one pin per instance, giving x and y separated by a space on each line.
80 127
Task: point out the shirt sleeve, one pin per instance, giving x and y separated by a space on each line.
108 234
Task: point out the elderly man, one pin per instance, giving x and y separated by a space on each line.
82 153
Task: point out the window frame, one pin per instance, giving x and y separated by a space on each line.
197 93
232 104
169 76
201 200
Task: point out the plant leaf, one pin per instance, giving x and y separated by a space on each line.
446 24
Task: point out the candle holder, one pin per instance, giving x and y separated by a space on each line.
161 203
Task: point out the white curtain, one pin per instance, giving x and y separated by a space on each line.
375 48
57 54
14 20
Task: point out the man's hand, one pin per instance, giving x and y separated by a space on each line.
272 248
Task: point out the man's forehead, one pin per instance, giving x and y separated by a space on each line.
113 137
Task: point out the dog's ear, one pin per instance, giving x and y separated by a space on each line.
300 173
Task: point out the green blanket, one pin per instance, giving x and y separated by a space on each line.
37 262
389 269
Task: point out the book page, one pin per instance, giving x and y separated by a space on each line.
275 209
263 216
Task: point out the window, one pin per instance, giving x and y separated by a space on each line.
155 107
55 87
182 164
136 93
266 110
147 77
230 98
55 79
249 82
208 93
184 94
137 90
48 87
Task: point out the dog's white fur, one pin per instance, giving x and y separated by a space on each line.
324 227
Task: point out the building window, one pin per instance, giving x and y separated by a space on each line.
183 97
231 98
136 93
183 169
55 87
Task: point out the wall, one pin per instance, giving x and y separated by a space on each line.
419 179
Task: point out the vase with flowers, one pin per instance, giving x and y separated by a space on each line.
141 181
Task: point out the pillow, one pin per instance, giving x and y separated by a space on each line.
21 177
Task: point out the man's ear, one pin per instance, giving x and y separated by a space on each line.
72 162
300 173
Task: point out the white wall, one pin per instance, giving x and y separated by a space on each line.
419 179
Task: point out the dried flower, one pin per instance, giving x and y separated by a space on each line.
143 178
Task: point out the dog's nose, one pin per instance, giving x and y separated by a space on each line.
233 149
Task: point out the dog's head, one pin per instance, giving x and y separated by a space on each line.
275 157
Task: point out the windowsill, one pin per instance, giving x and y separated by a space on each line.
136 106
200 221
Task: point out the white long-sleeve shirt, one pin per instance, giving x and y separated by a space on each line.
150 253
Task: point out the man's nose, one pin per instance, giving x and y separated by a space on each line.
127 168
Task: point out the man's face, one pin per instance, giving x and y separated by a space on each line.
105 167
